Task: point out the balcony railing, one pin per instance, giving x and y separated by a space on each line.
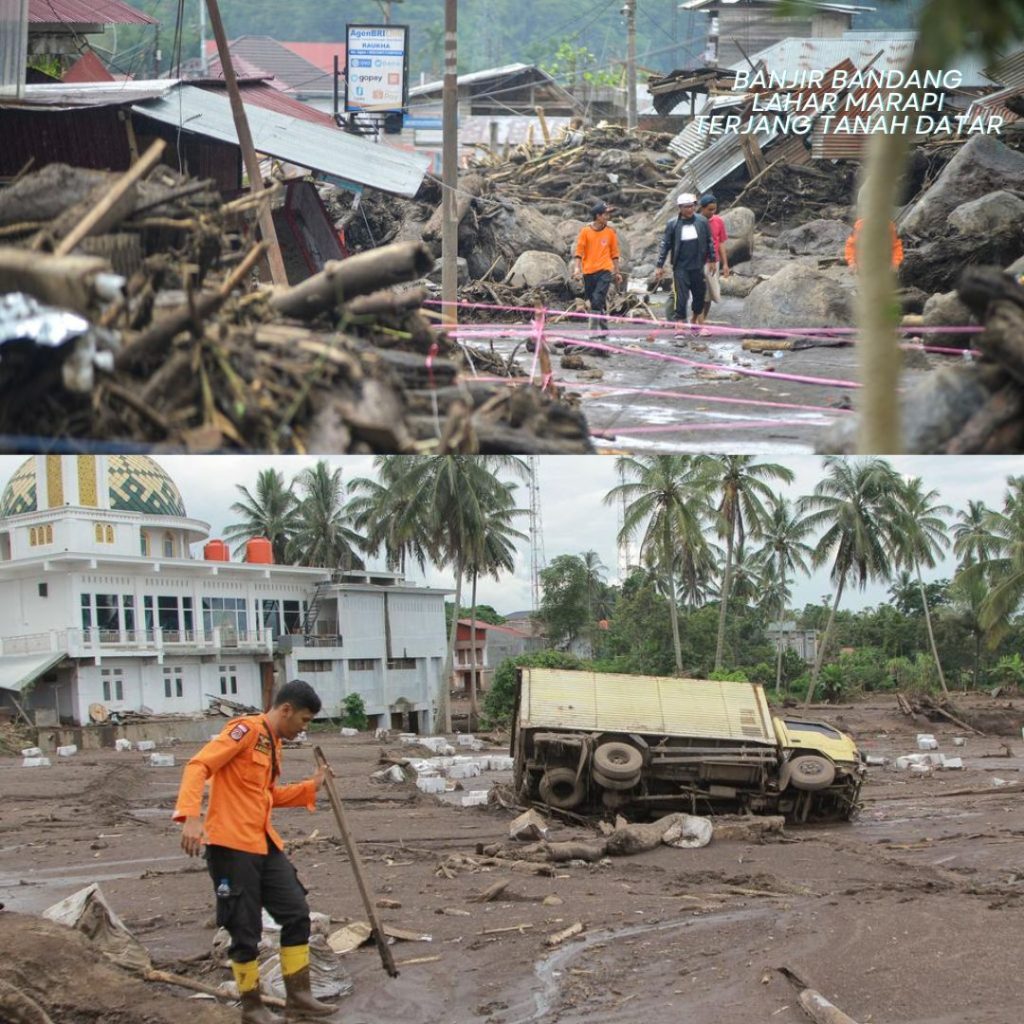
77 642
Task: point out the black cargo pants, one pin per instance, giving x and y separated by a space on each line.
256 881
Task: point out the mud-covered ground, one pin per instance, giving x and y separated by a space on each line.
911 914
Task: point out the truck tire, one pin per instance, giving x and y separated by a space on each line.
618 760
560 788
615 784
810 772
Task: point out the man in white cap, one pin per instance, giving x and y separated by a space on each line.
687 239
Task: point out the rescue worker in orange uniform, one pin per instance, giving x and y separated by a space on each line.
245 855
851 246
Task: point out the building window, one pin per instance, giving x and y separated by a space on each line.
318 665
228 614
167 615
292 617
188 618
44 590
144 542
173 682
99 532
118 682
110 534
49 534
168 545
362 664
107 615
128 604
228 679
401 663
147 613
32 537
106 689
272 618
87 613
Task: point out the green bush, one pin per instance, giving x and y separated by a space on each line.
732 676
501 697
353 712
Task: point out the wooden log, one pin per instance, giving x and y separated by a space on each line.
166 978
566 933
62 281
492 892
820 1010
386 301
118 202
343 280
561 852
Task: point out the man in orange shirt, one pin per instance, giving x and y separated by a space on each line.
597 260
245 855
850 252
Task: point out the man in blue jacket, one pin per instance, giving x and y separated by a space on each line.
687 239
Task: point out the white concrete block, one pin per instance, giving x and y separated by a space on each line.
925 741
35 762
952 762
875 759
920 769
31 752
69 751
475 798
348 731
465 739
463 771
959 741
127 744
161 760
145 745
430 784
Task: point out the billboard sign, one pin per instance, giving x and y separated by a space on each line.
376 68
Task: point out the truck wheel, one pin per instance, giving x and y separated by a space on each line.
560 788
810 772
618 760
605 783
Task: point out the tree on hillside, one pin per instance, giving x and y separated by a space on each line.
786 552
665 503
854 507
322 536
271 512
972 537
742 487
919 538
563 606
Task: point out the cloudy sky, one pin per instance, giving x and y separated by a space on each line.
575 519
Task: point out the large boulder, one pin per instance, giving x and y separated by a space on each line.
461 271
990 213
739 223
983 165
533 269
567 231
825 237
797 296
946 309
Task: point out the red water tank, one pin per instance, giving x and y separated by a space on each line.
216 551
259 550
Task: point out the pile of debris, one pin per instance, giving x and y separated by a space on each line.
627 168
124 318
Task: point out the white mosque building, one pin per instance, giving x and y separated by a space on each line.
116 601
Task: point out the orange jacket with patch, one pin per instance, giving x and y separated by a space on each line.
243 787
851 245
597 250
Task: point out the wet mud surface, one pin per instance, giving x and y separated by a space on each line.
912 914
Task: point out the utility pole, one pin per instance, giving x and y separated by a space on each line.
536 534
449 166
252 165
629 9
203 62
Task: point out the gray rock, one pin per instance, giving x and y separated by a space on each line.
462 271
534 268
766 264
738 285
797 296
912 300
945 310
989 213
983 165
739 223
1016 268
817 236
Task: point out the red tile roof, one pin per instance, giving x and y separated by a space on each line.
321 55
500 629
263 94
84 12
88 68
291 71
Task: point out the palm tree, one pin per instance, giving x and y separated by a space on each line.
323 536
972 539
593 577
271 512
494 552
453 495
904 592
919 539
390 519
741 483
968 599
853 505
666 502
785 551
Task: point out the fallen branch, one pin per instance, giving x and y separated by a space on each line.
814 1004
566 933
166 978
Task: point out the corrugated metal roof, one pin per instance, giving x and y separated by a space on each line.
1008 71
721 158
85 12
276 60
644 704
264 95
796 54
995 104
69 96
478 76
696 5
287 138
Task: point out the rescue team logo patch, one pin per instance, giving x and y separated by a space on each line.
262 744
239 731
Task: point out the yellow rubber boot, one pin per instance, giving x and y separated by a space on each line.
247 977
300 1004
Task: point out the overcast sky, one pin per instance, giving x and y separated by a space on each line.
574 516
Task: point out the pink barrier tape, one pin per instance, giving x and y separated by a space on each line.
609 390
678 427
537 332
763 331
431 356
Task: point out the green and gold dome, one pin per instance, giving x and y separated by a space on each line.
135 483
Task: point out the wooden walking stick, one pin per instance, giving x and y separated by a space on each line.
357 865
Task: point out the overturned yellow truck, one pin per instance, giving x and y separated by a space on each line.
585 741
